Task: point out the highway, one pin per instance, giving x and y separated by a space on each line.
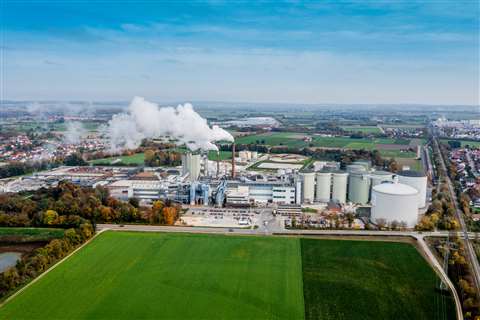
264 231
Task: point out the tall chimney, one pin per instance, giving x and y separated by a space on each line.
218 163
233 160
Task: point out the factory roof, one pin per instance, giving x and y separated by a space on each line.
411 173
381 173
395 189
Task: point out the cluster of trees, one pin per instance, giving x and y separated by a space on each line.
162 212
162 158
20 168
31 265
74 159
459 273
440 213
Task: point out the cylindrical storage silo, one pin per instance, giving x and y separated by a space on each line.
308 186
358 187
324 181
355 167
364 163
381 176
395 201
416 180
339 186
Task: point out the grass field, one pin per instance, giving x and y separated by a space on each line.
363 129
126 275
369 280
294 139
137 158
224 155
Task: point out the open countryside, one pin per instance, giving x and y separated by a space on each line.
126 275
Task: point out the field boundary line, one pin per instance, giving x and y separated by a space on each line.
50 269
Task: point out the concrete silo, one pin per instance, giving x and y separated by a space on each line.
359 187
416 180
339 186
308 186
378 177
324 182
191 165
395 201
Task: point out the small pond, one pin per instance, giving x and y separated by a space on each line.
9 259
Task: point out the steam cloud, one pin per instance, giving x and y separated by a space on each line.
145 119
75 132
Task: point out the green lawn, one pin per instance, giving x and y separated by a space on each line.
369 280
137 158
128 275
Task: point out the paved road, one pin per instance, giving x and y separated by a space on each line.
272 223
471 256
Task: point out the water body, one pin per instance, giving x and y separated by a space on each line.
8 259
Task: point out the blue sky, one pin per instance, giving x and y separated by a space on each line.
258 51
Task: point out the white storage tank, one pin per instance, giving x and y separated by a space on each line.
381 176
355 167
324 182
359 187
339 186
416 180
395 201
308 186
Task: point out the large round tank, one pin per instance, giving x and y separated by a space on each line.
355 167
324 181
339 186
358 187
395 201
378 177
416 180
308 186
364 163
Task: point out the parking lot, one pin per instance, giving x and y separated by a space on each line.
221 217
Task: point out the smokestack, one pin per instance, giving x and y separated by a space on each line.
233 160
218 163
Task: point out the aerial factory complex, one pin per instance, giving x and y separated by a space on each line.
243 160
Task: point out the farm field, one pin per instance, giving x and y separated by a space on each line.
294 139
126 275
363 129
369 280
224 155
137 158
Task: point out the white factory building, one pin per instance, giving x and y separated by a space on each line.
260 192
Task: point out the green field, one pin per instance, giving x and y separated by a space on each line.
137 158
32 233
293 139
224 155
128 275
362 129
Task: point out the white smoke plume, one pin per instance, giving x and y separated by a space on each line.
75 132
145 119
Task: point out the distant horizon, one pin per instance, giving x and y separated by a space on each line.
271 103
